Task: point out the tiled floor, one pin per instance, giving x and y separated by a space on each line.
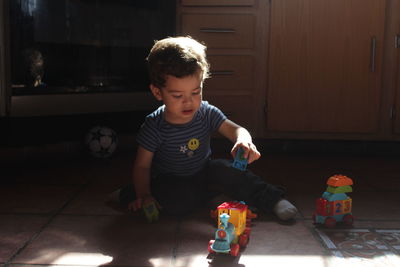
54 215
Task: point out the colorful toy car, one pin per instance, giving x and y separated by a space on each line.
233 228
334 205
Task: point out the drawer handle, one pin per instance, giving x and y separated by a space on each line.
217 30
222 73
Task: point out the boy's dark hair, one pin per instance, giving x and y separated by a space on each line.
177 56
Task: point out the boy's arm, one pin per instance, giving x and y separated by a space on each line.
141 177
240 137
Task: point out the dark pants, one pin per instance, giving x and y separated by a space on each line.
180 195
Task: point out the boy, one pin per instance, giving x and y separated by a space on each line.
173 166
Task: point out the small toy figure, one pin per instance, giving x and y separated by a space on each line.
334 205
240 161
151 212
233 228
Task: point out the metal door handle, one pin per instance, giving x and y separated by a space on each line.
373 54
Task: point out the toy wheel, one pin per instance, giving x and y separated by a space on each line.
209 246
314 217
243 240
235 250
348 219
330 222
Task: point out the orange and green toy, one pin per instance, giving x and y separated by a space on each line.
334 205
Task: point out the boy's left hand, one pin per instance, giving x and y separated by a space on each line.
250 151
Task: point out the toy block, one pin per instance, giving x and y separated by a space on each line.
240 161
337 207
339 180
339 189
151 212
347 205
323 207
333 197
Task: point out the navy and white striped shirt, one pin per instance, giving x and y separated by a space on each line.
180 149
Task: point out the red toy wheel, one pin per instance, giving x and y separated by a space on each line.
235 250
243 240
330 222
209 246
348 219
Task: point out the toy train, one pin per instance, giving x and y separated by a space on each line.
334 205
233 233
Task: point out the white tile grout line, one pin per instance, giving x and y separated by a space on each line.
326 239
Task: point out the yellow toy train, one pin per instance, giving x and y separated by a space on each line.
233 231
334 205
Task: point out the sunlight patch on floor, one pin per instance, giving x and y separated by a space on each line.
78 258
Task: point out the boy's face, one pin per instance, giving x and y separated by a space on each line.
181 97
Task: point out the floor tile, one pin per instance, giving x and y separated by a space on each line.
194 234
390 237
274 238
92 201
15 231
363 259
352 239
366 247
53 173
94 240
30 198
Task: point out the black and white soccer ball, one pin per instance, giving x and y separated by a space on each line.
101 141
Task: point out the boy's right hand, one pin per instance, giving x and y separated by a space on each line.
138 203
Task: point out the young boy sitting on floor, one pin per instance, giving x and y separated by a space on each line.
173 166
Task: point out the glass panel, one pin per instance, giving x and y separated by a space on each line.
81 46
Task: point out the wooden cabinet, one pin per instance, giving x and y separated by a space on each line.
228 29
325 66
302 68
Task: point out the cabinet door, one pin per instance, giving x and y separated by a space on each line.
325 65
396 111
3 84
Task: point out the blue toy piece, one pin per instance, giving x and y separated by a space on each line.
240 161
151 212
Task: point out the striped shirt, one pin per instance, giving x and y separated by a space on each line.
180 149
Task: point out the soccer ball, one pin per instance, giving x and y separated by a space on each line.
101 142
